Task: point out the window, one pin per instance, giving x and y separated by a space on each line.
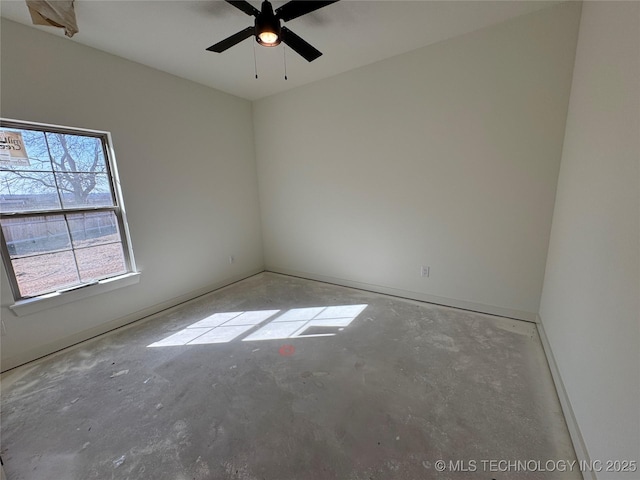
61 212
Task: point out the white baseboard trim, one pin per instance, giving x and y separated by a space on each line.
144 314
422 297
572 424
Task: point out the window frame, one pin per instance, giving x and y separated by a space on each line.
92 287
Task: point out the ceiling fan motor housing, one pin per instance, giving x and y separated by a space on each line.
267 22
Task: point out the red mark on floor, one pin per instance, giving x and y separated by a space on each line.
287 350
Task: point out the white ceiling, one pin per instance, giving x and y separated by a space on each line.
172 36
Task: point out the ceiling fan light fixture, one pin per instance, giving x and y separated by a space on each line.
267 27
268 39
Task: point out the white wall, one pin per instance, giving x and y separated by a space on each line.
446 156
590 304
187 165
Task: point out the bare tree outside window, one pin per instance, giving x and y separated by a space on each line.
63 169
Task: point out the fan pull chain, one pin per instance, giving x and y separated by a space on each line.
255 62
284 54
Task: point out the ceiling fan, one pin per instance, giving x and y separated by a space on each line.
268 30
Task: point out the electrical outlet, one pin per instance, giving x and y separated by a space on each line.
424 271
231 259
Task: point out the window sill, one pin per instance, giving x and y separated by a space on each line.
32 305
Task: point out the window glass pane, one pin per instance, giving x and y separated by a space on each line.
75 153
88 229
45 273
82 189
24 150
35 235
100 262
25 191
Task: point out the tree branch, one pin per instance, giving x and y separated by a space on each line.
67 155
23 176
96 157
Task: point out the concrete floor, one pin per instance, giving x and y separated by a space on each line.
402 385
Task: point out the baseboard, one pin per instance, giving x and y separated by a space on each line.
574 430
144 314
423 297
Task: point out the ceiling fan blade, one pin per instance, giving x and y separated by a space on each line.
297 8
300 46
245 6
232 40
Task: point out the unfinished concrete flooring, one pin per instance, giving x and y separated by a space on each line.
397 386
